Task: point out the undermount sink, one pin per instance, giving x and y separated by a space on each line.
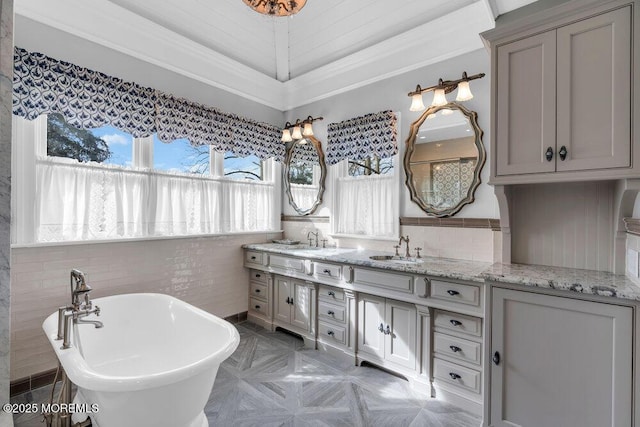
395 259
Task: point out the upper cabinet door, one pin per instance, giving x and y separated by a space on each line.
526 105
594 92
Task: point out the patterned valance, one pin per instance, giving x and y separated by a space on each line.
361 137
87 99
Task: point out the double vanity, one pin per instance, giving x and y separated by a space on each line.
515 344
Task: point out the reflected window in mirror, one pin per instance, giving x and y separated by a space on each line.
305 173
372 165
444 158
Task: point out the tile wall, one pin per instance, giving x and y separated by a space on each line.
207 272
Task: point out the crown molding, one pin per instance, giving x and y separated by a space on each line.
117 28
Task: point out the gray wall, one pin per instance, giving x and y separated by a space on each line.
392 94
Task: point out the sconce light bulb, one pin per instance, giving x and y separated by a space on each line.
439 98
297 133
286 136
307 130
464 91
416 102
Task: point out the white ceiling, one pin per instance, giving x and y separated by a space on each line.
331 46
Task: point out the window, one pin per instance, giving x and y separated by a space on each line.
106 144
242 168
90 199
372 165
180 156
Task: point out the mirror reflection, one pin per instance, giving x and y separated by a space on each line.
444 158
304 175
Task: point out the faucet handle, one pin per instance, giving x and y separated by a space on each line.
397 247
324 243
418 252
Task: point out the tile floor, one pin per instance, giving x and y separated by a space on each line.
271 381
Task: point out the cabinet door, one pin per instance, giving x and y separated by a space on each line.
370 319
281 300
526 105
400 345
594 92
564 362
301 308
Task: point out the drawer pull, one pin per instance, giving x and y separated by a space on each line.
381 327
331 294
455 349
330 313
455 322
253 257
257 291
257 275
327 271
452 292
257 307
454 376
496 358
330 333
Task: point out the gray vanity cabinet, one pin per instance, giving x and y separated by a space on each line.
559 361
563 100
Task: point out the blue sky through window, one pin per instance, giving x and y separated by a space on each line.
120 144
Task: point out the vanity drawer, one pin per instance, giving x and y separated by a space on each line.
329 293
455 292
324 271
397 282
458 322
289 265
331 333
258 290
258 306
253 257
458 348
258 276
451 373
331 312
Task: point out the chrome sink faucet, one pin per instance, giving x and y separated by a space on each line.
78 308
406 240
312 233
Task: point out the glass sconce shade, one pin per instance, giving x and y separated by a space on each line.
296 134
464 92
416 103
286 136
439 98
307 130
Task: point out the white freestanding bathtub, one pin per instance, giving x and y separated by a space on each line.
152 364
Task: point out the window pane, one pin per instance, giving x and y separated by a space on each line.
371 166
236 167
103 145
180 156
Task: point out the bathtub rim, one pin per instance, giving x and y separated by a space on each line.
81 374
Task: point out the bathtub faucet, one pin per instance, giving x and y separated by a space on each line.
78 308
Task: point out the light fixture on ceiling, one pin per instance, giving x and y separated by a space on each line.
276 7
441 89
299 130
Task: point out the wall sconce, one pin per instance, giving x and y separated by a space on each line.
441 89
299 130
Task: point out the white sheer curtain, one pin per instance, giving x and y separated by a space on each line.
248 206
184 205
304 195
77 201
365 205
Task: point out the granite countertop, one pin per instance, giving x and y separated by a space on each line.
588 282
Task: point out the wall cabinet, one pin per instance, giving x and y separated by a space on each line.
563 101
559 361
293 304
387 330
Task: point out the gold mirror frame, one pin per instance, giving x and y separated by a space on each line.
410 143
323 174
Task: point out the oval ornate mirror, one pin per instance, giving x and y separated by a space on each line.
304 175
443 159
